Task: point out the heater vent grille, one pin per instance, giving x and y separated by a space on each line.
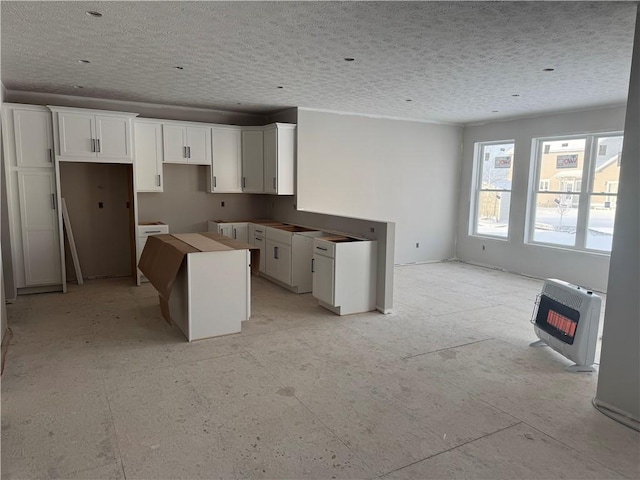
563 296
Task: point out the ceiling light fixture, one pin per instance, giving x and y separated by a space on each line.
548 69
93 13
84 61
349 59
279 86
179 68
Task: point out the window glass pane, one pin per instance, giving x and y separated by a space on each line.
493 213
556 218
607 167
497 166
602 214
561 164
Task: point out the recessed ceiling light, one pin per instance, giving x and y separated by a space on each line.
78 86
349 59
179 68
548 69
93 13
84 61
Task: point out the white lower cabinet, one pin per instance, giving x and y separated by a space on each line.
289 251
39 225
145 230
236 230
344 274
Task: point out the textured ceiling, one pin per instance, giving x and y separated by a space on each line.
456 61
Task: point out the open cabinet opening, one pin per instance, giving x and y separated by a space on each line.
99 199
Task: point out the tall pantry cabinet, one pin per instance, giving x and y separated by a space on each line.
31 196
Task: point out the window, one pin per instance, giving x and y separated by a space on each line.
492 189
577 178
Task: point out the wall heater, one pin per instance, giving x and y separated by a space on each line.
566 318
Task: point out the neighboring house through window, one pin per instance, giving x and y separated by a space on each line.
492 189
577 179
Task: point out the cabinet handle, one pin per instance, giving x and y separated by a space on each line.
153 231
274 183
188 152
53 201
93 145
215 182
51 155
275 252
244 182
258 239
184 152
235 237
98 145
158 179
321 248
258 231
313 264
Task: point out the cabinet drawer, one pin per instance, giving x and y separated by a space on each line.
278 235
321 247
147 230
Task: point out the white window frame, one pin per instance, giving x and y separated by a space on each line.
476 190
584 195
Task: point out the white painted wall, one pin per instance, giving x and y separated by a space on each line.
390 170
514 255
619 378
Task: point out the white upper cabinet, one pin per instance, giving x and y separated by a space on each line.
252 161
148 158
33 138
93 135
186 143
279 158
226 169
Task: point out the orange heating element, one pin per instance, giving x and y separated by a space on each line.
562 323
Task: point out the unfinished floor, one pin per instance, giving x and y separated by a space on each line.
97 385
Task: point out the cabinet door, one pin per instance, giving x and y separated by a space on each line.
148 158
112 135
270 161
39 223
278 264
199 145
226 169
323 279
252 161
225 229
241 232
259 241
34 140
174 142
76 133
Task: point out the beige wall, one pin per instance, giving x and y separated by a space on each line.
102 235
390 170
186 206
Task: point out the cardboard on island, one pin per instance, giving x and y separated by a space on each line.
163 256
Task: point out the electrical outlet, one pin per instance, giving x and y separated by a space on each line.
222 204
100 205
373 230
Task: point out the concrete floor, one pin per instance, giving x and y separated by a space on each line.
97 385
